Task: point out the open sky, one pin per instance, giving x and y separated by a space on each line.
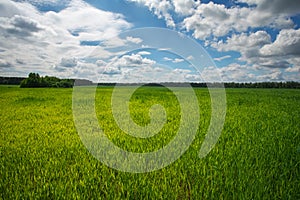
248 40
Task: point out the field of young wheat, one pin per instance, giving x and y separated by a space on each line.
256 157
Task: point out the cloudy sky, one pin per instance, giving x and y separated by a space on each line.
248 40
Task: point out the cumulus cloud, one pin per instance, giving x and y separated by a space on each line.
208 18
160 8
258 50
216 20
185 75
115 42
212 19
18 26
50 40
68 62
273 76
134 40
247 44
185 7
276 6
242 73
111 71
286 43
83 70
250 45
9 8
73 18
133 60
136 68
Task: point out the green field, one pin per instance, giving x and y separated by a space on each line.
256 157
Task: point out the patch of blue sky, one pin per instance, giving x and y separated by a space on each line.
139 17
89 43
296 20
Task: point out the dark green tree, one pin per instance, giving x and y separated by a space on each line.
34 81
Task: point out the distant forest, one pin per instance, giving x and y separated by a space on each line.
291 84
35 80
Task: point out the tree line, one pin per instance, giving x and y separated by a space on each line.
34 80
11 80
290 84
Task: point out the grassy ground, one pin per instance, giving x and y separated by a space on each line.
256 157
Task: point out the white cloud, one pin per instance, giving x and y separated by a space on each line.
84 70
44 41
100 24
160 9
115 42
211 19
175 60
133 60
247 44
222 58
185 7
216 20
272 76
167 59
142 53
258 50
101 63
111 71
178 60
286 43
9 9
181 71
134 40
206 19
242 73
136 68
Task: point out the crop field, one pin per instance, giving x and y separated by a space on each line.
256 157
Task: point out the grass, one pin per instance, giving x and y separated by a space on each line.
256 157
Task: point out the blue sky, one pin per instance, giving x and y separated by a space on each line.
248 40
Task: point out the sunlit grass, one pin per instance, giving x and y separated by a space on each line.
256 157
